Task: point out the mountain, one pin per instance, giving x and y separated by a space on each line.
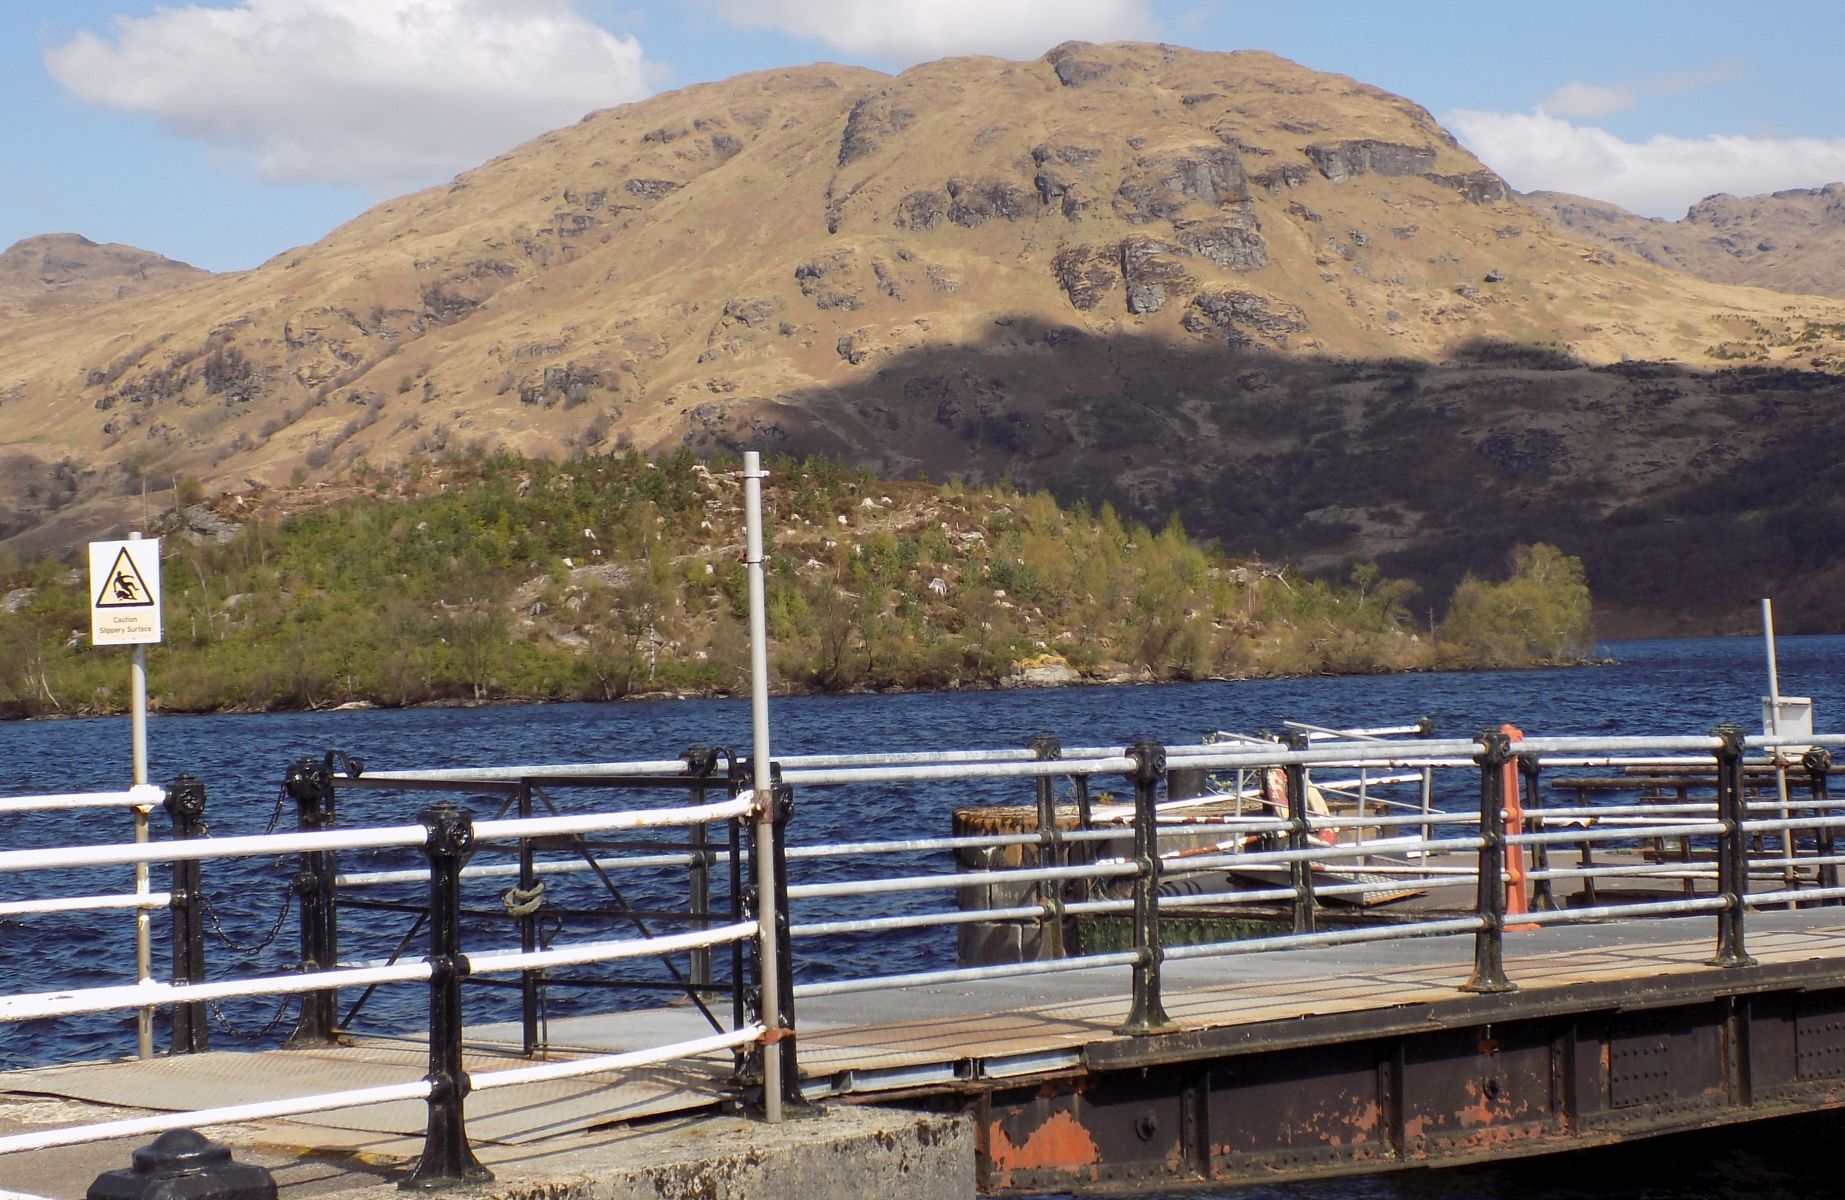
1791 241
1282 304
65 270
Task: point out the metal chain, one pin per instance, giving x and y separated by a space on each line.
283 1004
288 894
275 817
520 902
211 915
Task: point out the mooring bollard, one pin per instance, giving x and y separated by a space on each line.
1732 849
1489 940
1147 1013
185 808
447 1158
181 1164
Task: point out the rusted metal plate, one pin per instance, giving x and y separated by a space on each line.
1132 1132
1471 1091
1296 1111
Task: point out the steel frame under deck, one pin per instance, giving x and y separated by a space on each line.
1430 1084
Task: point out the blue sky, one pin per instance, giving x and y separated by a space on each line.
223 133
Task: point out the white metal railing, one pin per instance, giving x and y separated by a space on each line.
1274 861
139 800
1382 847
445 850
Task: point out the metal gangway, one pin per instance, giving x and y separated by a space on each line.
715 921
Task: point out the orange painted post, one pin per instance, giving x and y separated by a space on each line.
1517 884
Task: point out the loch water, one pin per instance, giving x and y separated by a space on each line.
1650 687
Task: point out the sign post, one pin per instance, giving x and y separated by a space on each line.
125 611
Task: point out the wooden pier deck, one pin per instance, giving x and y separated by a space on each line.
997 1044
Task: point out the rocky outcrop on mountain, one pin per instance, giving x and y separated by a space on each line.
1479 187
1340 161
1078 63
1244 318
1159 189
1083 272
1235 244
871 120
1152 273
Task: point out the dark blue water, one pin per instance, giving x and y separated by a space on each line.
1664 687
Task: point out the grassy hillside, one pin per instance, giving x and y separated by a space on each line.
1285 305
495 577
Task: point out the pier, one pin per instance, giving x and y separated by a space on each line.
1552 943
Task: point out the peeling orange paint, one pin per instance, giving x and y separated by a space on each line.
1060 1143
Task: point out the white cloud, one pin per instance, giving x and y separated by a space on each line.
1660 177
918 30
385 94
1586 100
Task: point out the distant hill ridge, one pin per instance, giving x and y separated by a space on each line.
66 270
1283 304
1791 241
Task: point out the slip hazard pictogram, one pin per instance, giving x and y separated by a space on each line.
123 586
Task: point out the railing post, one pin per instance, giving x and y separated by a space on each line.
773 1072
742 905
1543 896
185 806
1045 748
1489 940
1147 1014
1300 831
782 1039
310 783
525 904
447 1158
1817 762
1732 849
742 908
700 762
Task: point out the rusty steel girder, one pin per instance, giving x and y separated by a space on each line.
1419 1085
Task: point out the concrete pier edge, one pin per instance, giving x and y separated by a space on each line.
840 1152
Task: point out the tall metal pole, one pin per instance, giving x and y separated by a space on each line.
767 955
137 692
1788 878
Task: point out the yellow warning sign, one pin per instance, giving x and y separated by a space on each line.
122 585
125 592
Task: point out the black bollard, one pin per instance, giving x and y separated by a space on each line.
181 1164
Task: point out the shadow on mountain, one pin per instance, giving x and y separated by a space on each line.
1688 494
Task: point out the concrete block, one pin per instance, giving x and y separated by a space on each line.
846 1153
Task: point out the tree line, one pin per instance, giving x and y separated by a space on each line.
493 577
